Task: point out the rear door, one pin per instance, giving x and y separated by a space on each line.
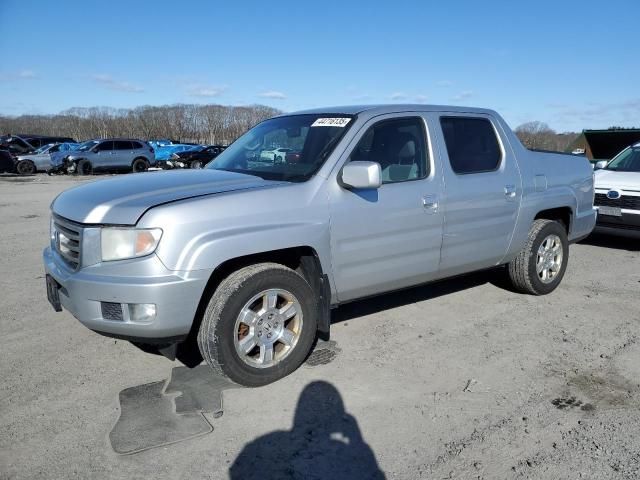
123 154
390 237
482 194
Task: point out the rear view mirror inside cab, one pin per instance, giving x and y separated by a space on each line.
294 132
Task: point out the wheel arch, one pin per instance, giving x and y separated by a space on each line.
563 215
302 259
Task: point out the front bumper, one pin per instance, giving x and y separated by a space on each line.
628 221
145 280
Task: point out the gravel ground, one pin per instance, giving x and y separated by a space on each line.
459 379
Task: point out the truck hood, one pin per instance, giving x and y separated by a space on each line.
612 179
123 200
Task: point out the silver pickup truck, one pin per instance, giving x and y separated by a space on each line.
242 261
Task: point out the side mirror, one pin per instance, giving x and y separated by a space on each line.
600 165
362 175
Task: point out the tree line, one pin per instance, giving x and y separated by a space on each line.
538 135
206 124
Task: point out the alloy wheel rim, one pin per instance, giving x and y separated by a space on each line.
549 259
268 328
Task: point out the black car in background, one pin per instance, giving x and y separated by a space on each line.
197 157
7 164
26 143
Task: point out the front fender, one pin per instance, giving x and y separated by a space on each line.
204 233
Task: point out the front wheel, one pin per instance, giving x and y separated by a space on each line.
196 164
26 167
259 325
539 267
84 167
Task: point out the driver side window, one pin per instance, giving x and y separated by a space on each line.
399 146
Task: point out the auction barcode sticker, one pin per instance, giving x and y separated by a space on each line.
331 122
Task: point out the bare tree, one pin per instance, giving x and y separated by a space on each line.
208 124
538 135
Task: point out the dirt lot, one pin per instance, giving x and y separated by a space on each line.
460 379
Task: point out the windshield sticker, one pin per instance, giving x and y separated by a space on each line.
331 122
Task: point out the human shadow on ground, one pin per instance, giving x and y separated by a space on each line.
324 443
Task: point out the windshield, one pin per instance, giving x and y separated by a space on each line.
291 148
626 161
44 148
87 145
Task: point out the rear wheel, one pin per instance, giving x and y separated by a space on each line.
539 267
260 324
26 167
139 165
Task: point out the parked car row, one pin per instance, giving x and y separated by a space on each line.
28 154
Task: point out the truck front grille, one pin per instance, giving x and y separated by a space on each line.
625 201
68 241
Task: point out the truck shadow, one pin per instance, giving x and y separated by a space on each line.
421 293
617 242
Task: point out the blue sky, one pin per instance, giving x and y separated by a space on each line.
572 64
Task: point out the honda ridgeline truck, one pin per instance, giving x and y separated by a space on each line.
244 259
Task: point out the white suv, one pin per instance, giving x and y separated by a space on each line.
617 186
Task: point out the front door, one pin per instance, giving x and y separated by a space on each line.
104 155
387 238
482 195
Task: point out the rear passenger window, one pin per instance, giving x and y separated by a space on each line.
399 146
472 144
121 145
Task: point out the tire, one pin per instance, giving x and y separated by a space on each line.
196 165
84 167
278 160
546 239
25 167
139 165
221 331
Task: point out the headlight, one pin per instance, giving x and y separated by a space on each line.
123 243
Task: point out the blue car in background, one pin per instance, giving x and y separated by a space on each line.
159 143
164 153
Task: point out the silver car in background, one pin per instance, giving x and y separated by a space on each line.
42 159
114 154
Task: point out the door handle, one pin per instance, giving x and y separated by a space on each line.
510 191
430 203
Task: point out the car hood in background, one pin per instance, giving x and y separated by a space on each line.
612 179
123 200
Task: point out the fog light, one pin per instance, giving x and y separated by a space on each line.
142 312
